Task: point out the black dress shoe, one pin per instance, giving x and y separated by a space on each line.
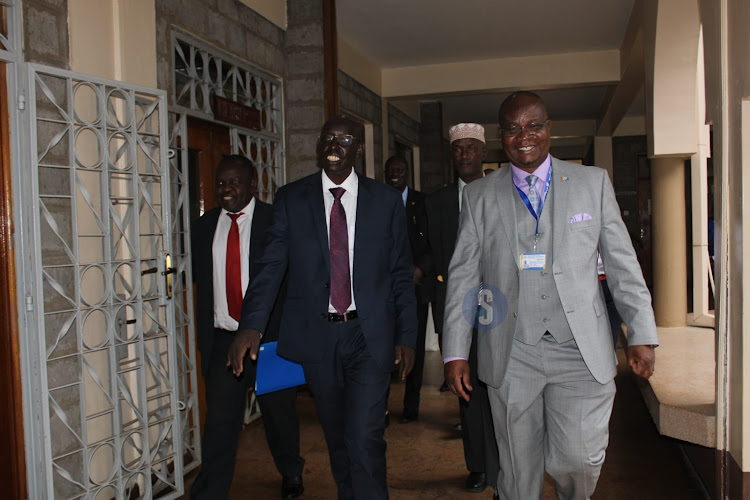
444 387
291 487
476 482
406 418
458 428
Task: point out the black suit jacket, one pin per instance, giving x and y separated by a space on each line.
442 216
382 276
202 257
416 225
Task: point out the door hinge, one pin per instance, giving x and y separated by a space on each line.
21 102
29 303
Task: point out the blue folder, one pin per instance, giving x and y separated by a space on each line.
274 372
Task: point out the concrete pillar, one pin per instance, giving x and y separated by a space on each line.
669 241
304 99
603 154
433 172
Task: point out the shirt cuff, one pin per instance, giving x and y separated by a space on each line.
448 360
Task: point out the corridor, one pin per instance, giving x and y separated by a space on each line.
425 458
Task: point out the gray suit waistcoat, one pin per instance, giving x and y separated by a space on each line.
539 306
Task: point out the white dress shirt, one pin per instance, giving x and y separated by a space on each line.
222 319
349 202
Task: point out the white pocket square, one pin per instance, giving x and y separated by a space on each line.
580 217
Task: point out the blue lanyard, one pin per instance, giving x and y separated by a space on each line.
526 202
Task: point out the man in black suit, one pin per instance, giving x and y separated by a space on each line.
396 175
468 149
226 246
349 307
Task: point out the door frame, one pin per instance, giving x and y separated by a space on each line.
12 458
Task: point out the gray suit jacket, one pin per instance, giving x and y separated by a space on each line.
487 251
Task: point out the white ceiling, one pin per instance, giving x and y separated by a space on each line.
398 33
395 33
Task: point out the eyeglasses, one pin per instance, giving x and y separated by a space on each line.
342 140
531 129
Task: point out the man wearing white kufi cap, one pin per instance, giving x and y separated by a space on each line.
468 150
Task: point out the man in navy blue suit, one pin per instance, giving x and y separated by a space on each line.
349 307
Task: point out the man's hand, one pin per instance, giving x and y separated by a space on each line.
457 375
405 356
418 275
641 359
244 341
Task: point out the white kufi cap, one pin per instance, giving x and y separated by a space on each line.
467 131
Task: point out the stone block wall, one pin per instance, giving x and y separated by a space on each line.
45 32
295 55
360 102
305 85
228 25
434 162
402 126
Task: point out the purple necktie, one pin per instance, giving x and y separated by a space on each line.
534 198
341 289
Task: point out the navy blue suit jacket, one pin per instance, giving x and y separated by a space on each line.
297 246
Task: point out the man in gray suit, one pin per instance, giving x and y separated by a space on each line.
526 251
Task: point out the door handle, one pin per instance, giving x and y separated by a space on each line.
167 273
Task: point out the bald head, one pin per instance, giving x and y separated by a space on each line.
524 129
339 147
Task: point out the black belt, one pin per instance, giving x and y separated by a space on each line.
339 318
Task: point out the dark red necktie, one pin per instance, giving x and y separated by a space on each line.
234 269
341 289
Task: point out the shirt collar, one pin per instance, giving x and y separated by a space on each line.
462 184
405 194
519 176
350 185
247 210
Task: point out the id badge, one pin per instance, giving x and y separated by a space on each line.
533 261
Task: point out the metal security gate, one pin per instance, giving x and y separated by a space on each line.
103 360
182 290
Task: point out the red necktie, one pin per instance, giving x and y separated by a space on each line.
341 289
234 269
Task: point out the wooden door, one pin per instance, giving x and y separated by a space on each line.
208 143
12 461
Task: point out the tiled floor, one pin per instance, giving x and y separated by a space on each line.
425 458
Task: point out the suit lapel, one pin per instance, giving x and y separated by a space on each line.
257 234
410 204
505 192
451 216
365 209
560 201
318 211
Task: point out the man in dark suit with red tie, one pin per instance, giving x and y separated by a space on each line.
226 246
349 307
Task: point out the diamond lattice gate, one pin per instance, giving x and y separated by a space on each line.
109 395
